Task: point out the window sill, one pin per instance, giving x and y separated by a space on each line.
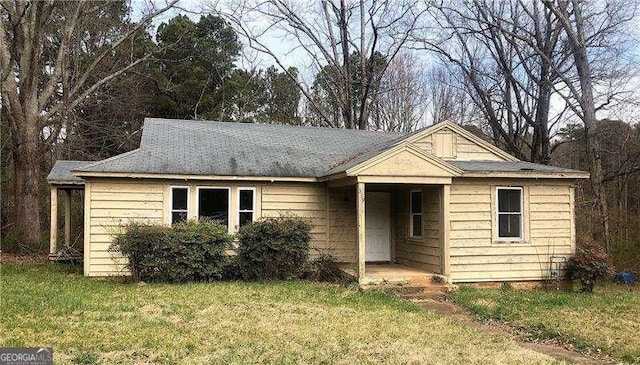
511 242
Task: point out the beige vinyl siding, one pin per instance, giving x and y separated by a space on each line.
467 150
419 252
336 235
448 144
299 200
110 205
113 203
343 231
425 143
476 255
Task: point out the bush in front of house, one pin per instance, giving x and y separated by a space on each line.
140 243
589 264
325 268
273 248
187 251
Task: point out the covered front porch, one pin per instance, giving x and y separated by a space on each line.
401 212
401 230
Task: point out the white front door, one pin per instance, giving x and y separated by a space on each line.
377 217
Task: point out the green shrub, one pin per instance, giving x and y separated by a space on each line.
589 264
187 251
274 248
231 270
141 245
325 268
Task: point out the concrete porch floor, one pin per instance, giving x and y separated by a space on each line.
381 273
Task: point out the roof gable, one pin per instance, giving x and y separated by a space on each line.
450 141
405 160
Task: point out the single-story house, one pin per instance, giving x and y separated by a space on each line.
440 200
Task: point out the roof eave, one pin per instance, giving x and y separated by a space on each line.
64 182
527 174
334 176
138 175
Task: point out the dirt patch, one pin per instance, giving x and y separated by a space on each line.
555 349
18 259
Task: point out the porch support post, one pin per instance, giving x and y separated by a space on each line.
53 231
67 217
446 227
87 228
360 199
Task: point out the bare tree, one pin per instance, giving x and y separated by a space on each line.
448 99
571 16
403 96
510 83
330 34
43 80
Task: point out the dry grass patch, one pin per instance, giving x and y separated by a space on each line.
604 321
102 321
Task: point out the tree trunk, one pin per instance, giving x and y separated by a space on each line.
26 167
587 104
540 146
347 82
35 64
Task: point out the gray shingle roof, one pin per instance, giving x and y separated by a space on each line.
61 172
237 149
187 147
509 166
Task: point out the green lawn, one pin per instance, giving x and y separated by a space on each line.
607 320
103 321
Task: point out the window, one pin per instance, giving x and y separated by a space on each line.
179 204
509 213
416 214
246 204
213 204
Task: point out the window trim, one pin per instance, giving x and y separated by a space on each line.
253 204
229 207
171 210
411 213
497 215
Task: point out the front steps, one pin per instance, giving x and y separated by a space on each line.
417 290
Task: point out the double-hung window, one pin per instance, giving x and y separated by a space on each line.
415 222
509 210
179 204
246 205
213 204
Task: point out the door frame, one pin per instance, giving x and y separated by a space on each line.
390 222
